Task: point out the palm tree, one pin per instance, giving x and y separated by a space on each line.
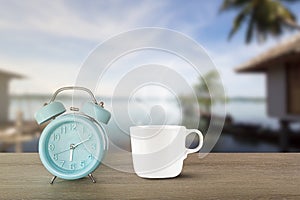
264 17
209 80
206 98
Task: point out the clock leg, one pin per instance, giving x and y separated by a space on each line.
53 179
92 178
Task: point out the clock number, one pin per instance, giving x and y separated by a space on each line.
51 147
94 146
62 162
72 166
82 163
63 130
90 157
73 126
56 137
55 157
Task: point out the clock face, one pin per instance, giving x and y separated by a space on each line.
72 146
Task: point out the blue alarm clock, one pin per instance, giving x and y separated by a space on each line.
72 145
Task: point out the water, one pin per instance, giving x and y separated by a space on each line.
251 112
242 111
245 112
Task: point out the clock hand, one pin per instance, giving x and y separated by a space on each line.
81 142
72 147
71 153
63 151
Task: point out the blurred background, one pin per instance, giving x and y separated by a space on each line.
255 45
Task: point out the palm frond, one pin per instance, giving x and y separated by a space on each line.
264 17
249 33
239 19
232 4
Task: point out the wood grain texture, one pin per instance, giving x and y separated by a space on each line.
217 176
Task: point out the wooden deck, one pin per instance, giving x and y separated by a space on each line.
217 176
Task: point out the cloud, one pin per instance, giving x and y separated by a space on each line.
39 38
60 18
42 39
41 77
46 39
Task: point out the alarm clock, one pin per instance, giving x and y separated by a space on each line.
72 145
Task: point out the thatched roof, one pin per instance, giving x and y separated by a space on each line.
10 75
283 52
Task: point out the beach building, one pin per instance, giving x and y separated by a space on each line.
281 64
5 78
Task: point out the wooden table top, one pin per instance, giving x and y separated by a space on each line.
217 176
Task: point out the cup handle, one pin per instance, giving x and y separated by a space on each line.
189 131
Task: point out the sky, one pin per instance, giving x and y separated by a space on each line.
48 41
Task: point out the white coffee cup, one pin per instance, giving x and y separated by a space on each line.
158 151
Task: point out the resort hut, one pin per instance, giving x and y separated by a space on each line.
5 77
281 64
